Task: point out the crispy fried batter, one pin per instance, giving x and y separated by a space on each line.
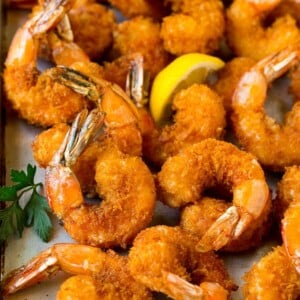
199 114
162 249
197 218
197 26
246 34
273 277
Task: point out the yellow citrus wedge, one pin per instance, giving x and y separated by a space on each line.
179 74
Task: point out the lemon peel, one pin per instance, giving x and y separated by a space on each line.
179 74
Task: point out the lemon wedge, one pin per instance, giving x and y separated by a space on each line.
179 74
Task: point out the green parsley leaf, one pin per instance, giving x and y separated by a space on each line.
8 193
13 218
36 215
22 179
7 227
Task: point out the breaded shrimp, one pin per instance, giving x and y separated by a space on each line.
99 274
141 34
197 26
121 119
33 95
124 183
47 143
184 177
147 8
197 218
246 34
289 187
198 114
275 145
165 260
229 76
273 277
92 25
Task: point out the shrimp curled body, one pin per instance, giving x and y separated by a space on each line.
199 114
195 26
246 34
197 218
275 145
184 177
37 98
125 185
164 259
273 277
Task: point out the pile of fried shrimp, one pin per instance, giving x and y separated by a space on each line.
211 163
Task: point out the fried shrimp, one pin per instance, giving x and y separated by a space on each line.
197 26
228 78
184 177
47 143
273 277
121 127
246 34
275 145
198 114
141 35
197 218
288 193
164 259
92 25
124 183
121 118
98 274
36 97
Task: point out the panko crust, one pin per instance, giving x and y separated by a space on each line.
247 36
273 277
228 78
173 250
141 35
197 26
93 25
198 114
197 218
184 177
126 187
38 99
288 189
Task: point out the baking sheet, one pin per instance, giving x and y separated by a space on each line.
18 138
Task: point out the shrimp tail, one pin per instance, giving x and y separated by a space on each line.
64 29
273 66
94 89
37 270
137 82
84 129
51 16
251 198
220 232
181 289
77 81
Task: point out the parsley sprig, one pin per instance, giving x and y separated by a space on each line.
14 218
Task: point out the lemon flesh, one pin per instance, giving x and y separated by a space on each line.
179 74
